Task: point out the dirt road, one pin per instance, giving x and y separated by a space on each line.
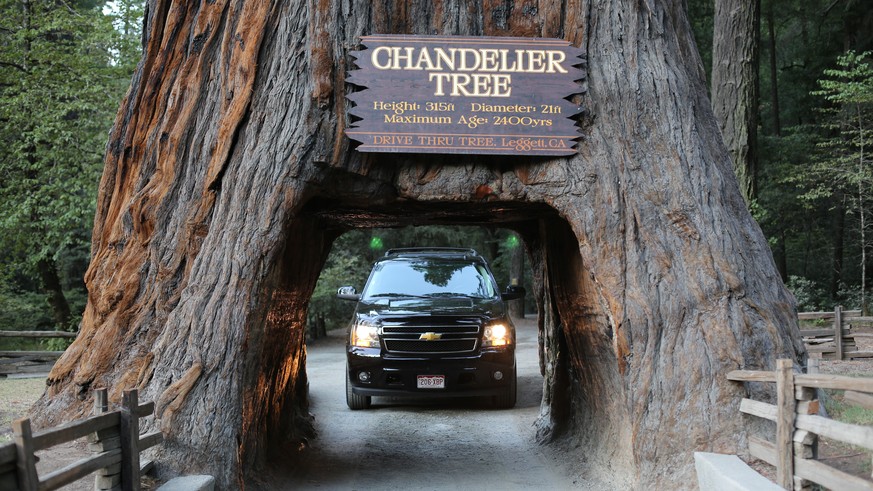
420 444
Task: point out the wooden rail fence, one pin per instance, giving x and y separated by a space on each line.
798 425
113 438
20 362
839 340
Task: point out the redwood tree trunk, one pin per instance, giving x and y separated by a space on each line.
228 176
735 88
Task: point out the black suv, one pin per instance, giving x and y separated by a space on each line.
430 322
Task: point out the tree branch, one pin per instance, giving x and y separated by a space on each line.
792 66
828 9
13 65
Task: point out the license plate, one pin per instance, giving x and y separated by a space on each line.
431 381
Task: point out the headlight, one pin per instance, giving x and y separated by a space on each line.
497 335
365 334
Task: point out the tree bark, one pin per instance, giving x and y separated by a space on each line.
228 177
735 51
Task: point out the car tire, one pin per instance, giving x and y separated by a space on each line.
506 400
356 401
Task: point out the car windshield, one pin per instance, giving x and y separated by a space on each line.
429 278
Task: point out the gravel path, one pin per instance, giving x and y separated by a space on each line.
420 444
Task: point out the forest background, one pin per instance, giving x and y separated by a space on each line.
804 168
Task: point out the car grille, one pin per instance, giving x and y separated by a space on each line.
454 338
437 346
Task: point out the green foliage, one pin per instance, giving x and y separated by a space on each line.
502 263
814 182
855 415
24 311
849 297
56 344
851 84
28 311
839 410
811 297
840 165
811 228
59 89
346 266
64 67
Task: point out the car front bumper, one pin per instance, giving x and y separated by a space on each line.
464 376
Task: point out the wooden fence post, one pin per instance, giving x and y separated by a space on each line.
838 331
130 441
806 442
786 407
812 366
107 478
26 462
101 401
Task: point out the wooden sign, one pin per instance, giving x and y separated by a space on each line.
470 95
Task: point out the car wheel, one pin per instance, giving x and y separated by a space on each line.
506 400
356 401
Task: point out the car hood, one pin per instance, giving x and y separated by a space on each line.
429 306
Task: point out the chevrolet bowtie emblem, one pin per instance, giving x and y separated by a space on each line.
430 336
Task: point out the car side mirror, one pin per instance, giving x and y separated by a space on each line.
347 293
513 292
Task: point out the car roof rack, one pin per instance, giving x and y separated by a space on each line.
424 250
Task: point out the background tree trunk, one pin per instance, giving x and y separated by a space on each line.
51 284
838 234
774 75
516 277
228 177
735 51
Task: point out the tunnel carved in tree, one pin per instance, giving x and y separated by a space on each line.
228 176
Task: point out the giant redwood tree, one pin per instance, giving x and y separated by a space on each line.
228 175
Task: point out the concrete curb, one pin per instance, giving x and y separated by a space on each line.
189 483
719 472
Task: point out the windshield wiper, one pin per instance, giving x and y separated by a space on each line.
449 295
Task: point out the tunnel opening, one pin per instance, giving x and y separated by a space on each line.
580 357
353 253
